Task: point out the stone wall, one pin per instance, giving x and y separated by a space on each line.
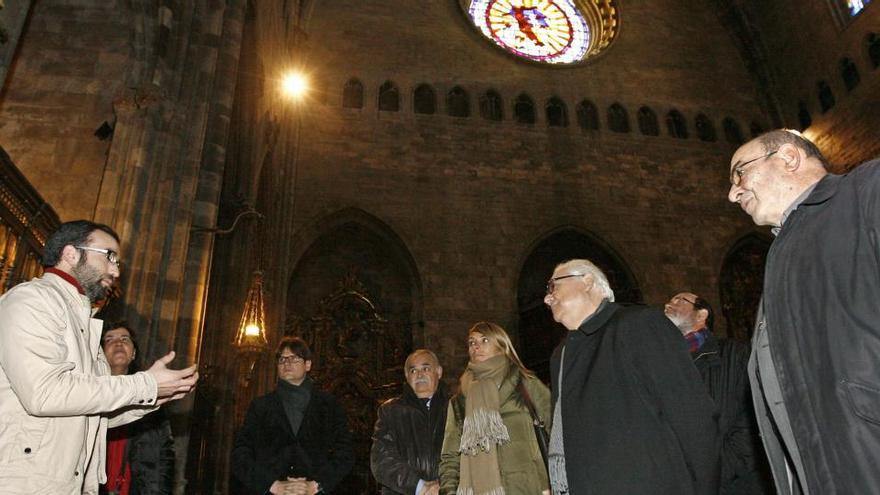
805 43
469 198
71 63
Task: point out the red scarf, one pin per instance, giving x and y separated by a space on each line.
118 468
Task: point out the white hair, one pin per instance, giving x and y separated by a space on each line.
586 267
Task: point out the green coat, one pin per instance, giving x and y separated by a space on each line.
522 468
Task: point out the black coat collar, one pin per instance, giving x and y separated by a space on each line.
825 189
594 323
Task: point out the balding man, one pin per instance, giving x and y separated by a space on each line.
631 415
722 365
814 370
405 456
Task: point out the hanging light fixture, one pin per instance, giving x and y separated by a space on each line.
251 335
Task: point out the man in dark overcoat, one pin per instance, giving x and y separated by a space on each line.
631 414
296 438
408 436
814 369
723 364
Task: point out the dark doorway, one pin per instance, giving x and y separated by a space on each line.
742 282
352 298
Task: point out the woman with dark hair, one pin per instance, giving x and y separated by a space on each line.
140 455
490 446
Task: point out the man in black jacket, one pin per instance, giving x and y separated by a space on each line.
814 366
409 431
631 414
722 364
295 439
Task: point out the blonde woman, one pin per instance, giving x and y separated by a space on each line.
490 447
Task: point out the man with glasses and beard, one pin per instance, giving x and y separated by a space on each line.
722 365
57 397
816 349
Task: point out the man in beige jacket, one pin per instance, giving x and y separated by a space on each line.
56 393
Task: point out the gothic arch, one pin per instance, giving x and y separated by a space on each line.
538 333
354 295
741 283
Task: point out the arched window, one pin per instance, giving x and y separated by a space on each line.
557 116
676 125
618 120
826 97
873 42
804 115
353 94
756 129
705 129
457 103
587 116
648 124
491 107
732 133
524 109
389 97
424 100
849 73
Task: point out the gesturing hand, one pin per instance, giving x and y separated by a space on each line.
172 384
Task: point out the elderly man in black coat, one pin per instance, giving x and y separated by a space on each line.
409 430
631 414
295 439
814 365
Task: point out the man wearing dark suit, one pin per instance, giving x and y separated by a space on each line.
295 440
631 413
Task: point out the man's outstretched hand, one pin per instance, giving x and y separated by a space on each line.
172 384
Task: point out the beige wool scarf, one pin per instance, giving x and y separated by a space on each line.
482 429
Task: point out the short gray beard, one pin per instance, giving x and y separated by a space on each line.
682 324
90 280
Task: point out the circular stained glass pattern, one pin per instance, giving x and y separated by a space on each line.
550 31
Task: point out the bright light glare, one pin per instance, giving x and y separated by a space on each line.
294 84
252 330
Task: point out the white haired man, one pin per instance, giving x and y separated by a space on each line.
631 413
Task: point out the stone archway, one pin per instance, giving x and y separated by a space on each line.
741 284
352 297
538 333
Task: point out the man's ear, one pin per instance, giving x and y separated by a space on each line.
308 365
589 281
439 372
70 255
791 155
702 315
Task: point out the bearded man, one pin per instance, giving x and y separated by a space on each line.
56 393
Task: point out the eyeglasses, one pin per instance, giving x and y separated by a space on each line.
679 298
112 256
738 171
290 360
551 284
